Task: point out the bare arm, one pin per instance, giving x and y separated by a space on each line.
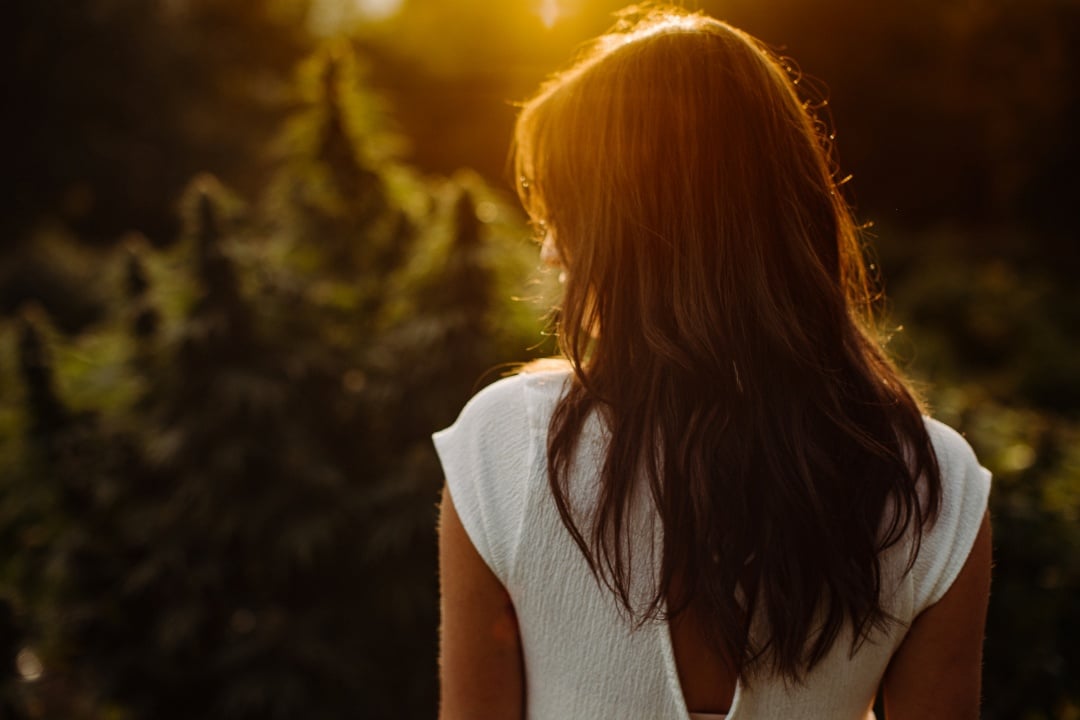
937 672
480 665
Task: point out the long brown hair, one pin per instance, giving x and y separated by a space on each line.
717 313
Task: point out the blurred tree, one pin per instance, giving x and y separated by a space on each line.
252 534
993 343
116 105
1031 659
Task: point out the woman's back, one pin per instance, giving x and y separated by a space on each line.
731 451
583 657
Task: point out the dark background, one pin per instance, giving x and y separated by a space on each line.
243 276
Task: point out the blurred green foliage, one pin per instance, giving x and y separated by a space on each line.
995 346
217 493
223 493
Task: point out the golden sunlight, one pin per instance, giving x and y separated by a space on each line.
549 11
328 17
376 9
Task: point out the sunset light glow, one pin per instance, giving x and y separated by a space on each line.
328 17
549 12
376 9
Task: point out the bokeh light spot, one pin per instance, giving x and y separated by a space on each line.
28 665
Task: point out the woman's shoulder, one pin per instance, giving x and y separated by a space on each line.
526 396
965 491
490 455
952 449
965 483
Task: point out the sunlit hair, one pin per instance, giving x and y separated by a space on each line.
717 314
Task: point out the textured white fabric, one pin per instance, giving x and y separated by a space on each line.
582 659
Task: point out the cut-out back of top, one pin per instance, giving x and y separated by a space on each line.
707 681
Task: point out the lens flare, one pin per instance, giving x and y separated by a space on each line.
549 12
329 17
28 665
376 9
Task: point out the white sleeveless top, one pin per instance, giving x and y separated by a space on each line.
581 658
